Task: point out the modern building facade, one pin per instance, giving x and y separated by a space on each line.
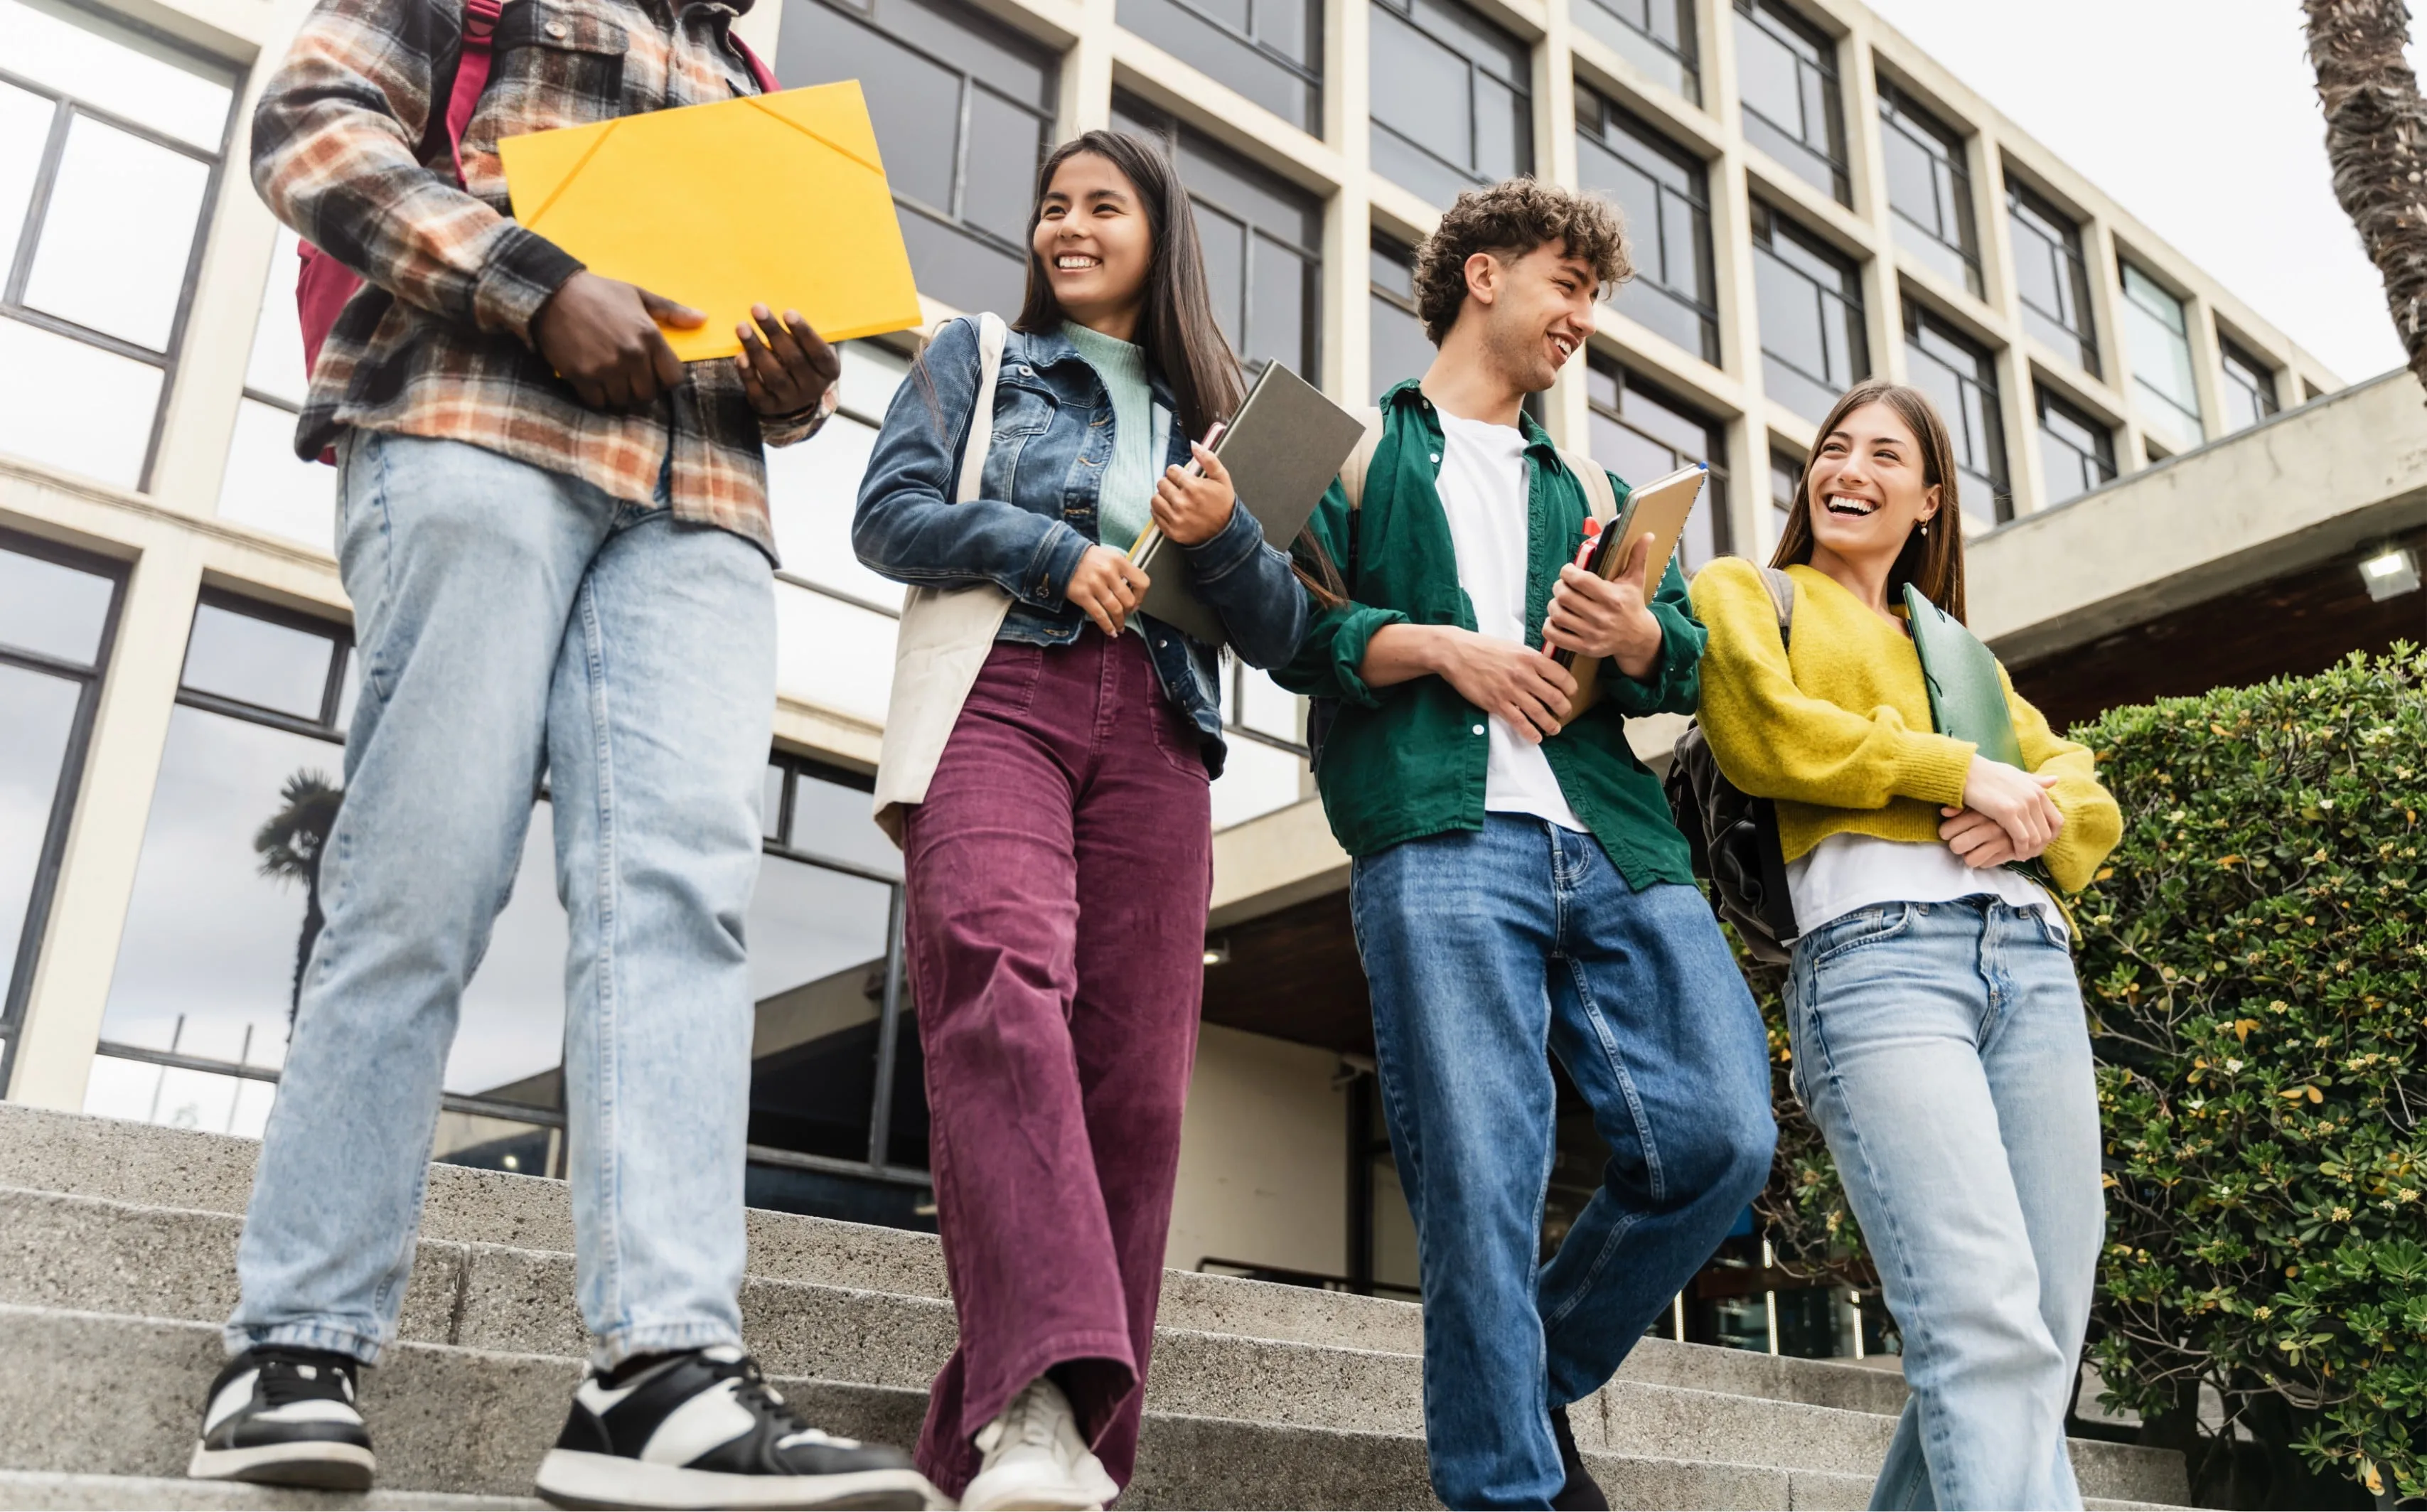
1813 202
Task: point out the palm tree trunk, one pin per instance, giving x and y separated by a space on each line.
2376 140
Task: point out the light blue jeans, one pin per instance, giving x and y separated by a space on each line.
1486 950
1943 1049
514 620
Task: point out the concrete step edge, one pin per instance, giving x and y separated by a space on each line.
1213 1305
428 1387
28 1489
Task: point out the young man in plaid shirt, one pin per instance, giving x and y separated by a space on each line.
556 538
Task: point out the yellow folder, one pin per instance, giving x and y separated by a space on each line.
777 200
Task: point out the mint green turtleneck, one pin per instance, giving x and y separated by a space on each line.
1125 507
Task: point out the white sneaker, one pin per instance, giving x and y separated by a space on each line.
1036 1460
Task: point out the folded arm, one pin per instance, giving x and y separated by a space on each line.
1774 740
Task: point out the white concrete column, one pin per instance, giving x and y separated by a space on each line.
79 947
1555 158
1732 265
1348 219
1086 102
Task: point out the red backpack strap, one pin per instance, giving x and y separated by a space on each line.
471 72
758 69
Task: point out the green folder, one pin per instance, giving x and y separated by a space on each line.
1967 701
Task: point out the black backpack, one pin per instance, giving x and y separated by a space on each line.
1733 834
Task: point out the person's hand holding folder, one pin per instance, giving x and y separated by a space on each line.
1597 616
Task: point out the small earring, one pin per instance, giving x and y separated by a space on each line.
1924 530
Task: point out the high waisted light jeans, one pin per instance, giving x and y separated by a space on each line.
1943 1049
512 621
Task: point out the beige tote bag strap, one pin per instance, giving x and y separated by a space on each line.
945 633
1352 472
1600 499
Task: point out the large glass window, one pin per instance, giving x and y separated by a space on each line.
1928 188
2156 339
57 610
1786 71
266 484
963 107
1263 237
2249 386
2077 453
2051 276
110 149
1641 433
835 619
1453 101
1960 378
1400 350
1266 761
1665 195
1271 51
1656 36
1813 348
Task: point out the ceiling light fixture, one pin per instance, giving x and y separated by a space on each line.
2390 573
1217 952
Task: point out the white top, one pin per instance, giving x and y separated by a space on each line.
1483 492
1849 871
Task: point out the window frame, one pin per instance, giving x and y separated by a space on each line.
1309 74
1761 237
1773 17
1916 318
2044 399
2249 376
2025 205
1175 134
951 218
1523 88
51 857
1686 56
1902 112
1608 115
2127 269
17 266
1714 505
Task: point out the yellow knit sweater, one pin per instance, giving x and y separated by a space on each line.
1836 729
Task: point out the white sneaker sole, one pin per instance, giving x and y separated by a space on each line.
320 1464
574 1478
1030 1494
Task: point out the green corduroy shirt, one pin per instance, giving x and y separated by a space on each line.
1408 760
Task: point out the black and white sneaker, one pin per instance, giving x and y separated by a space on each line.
704 1429
285 1417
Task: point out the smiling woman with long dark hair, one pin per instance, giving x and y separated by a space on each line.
1936 1023
1058 853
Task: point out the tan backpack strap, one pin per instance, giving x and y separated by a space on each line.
1352 472
1599 498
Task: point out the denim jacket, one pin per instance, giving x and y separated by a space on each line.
1035 513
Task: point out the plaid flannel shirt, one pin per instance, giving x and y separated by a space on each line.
438 341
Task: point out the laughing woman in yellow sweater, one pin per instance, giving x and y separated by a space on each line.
1937 1025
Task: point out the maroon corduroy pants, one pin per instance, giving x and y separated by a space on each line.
1057 876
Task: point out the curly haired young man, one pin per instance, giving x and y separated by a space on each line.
1517 884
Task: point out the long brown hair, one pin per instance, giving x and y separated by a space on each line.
1932 563
1175 328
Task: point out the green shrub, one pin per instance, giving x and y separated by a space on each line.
2255 961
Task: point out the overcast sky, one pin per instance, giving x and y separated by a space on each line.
2201 118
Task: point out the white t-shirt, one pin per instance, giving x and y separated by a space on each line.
1849 871
1483 492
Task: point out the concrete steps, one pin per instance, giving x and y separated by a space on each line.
116 1247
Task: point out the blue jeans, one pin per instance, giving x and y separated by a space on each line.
1943 1049
514 620
1483 948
